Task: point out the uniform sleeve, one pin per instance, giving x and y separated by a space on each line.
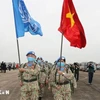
20 76
52 79
46 72
46 75
69 75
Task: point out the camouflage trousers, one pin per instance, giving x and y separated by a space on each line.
66 96
41 91
64 93
29 95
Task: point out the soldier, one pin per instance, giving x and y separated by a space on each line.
9 66
76 71
42 77
53 66
3 67
60 81
90 73
47 67
29 78
72 68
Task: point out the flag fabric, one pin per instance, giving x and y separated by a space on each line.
23 21
70 25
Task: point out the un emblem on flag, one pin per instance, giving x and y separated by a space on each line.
33 27
23 12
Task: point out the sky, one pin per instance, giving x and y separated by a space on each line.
48 14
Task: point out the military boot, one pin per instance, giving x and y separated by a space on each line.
40 98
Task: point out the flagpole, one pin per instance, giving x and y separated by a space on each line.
19 57
61 46
18 51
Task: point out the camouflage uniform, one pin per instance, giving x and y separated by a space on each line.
48 68
64 93
30 88
42 79
73 82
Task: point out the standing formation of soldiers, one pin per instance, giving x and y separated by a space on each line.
37 73
3 67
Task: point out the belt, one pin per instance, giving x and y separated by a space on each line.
62 83
42 70
30 80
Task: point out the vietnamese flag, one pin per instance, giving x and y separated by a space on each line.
70 25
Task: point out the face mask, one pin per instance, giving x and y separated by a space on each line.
30 59
62 64
39 61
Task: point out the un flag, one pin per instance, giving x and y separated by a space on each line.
23 21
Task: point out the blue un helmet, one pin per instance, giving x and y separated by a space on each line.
39 59
31 52
61 58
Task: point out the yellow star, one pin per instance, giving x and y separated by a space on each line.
69 15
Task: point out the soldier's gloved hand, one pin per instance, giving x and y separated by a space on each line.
22 70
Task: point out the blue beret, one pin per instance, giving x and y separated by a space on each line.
30 52
40 57
60 58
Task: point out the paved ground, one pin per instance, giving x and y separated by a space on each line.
9 81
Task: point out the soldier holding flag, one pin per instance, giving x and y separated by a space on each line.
29 78
60 81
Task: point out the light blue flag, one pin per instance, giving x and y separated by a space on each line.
23 21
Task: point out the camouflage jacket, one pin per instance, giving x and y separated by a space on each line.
29 74
54 78
42 74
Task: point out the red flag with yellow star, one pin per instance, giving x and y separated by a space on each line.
71 26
